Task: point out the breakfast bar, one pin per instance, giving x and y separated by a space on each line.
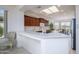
43 43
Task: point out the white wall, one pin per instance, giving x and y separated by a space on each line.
77 29
62 17
15 20
32 14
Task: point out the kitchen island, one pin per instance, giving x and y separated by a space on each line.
42 43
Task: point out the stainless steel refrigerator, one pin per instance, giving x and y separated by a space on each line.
73 33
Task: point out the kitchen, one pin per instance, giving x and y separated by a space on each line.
47 32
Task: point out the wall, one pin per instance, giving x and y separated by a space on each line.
66 16
29 13
77 29
15 20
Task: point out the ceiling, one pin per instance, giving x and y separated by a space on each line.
66 12
7 7
34 11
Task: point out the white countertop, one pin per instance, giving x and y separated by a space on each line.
40 36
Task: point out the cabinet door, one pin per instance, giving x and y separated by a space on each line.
32 21
37 23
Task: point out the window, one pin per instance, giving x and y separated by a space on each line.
65 25
56 25
62 25
2 23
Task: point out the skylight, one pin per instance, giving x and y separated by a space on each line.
46 11
50 10
53 9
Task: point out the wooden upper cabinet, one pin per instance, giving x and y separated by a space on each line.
32 21
43 20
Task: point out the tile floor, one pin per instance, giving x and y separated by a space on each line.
23 51
15 51
72 51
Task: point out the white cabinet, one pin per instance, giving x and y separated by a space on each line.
56 46
19 41
31 45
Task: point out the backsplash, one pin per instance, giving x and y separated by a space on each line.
34 28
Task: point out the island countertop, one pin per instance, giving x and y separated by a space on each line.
40 36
